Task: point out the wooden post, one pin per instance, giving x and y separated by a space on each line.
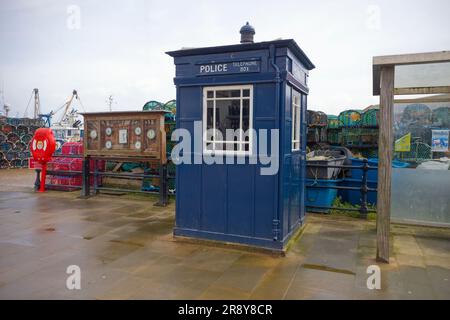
385 141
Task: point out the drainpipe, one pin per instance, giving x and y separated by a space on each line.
276 219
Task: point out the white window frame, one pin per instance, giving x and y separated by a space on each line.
296 114
250 124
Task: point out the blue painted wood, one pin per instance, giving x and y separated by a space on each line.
235 203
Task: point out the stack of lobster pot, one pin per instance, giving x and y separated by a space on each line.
15 137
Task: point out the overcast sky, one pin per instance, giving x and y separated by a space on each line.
118 47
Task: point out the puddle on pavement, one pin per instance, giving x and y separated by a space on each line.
326 268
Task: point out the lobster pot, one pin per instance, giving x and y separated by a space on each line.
6 146
171 105
417 113
24 163
2 137
153 105
13 137
32 129
14 121
333 136
4 164
351 136
369 136
23 154
26 139
313 135
418 153
7 129
15 163
11 155
316 118
370 118
441 117
2 156
22 130
350 118
323 134
20 146
333 122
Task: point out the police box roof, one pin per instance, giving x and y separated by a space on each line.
289 43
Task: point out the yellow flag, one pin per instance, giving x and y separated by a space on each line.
403 144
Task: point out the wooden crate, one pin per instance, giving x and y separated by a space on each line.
134 135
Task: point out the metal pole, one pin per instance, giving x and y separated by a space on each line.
95 170
37 182
163 196
363 207
85 190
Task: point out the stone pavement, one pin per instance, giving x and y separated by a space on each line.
125 250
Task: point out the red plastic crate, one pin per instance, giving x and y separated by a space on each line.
72 148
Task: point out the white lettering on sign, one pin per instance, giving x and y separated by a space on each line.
229 67
212 68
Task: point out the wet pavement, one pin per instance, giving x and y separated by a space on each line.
125 250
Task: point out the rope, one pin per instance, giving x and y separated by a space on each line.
79 100
26 109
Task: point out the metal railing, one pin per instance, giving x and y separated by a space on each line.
364 189
87 173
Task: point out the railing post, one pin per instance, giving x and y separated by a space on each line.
95 171
363 207
163 191
85 190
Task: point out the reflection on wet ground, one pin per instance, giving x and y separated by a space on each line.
125 250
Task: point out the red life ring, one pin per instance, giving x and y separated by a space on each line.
43 145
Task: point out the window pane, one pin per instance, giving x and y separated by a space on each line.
245 114
209 146
294 123
246 93
209 115
228 94
227 115
210 94
297 122
227 146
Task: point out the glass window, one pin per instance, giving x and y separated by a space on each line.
228 109
295 121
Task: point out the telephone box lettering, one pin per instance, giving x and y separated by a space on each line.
229 67
213 68
246 66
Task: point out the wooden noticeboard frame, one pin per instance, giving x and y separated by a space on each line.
133 135
384 86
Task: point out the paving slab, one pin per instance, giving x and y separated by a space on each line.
125 249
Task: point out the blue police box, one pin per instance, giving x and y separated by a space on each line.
259 90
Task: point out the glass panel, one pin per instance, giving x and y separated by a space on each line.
297 124
245 114
227 146
209 146
421 195
294 123
210 94
422 75
228 94
209 115
227 115
246 93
